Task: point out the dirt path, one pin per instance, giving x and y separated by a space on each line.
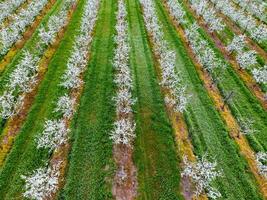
125 181
246 77
15 123
230 121
26 36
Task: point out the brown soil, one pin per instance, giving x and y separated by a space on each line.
26 36
230 121
246 77
15 123
125 180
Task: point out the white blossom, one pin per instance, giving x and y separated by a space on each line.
13 32
255 7
247 22
78 59
177 10
209 15
237 44
42 183
124 126
261 160
204 53
7 7
54 134
20 82
124 131
9 104
260 74
203 173
24 76
247 59
65 105
260 33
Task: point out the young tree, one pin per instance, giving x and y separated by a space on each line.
55 133
24 76
247 126
42 183
247 59
66 106
124 132
237 44
202 173
260 33
9 104
45 36
260 75
261 159
176 8
209 15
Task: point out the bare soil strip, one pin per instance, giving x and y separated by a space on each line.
235 28
225 112
26 36
14 124
125 181
246 77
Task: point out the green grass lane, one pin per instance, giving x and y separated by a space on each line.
24 156
155 155
91 167
206 128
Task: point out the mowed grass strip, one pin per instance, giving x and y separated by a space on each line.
207 130
91 168
24 156
155 154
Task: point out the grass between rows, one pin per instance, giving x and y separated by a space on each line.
91 167
206 128
155 155
24 156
